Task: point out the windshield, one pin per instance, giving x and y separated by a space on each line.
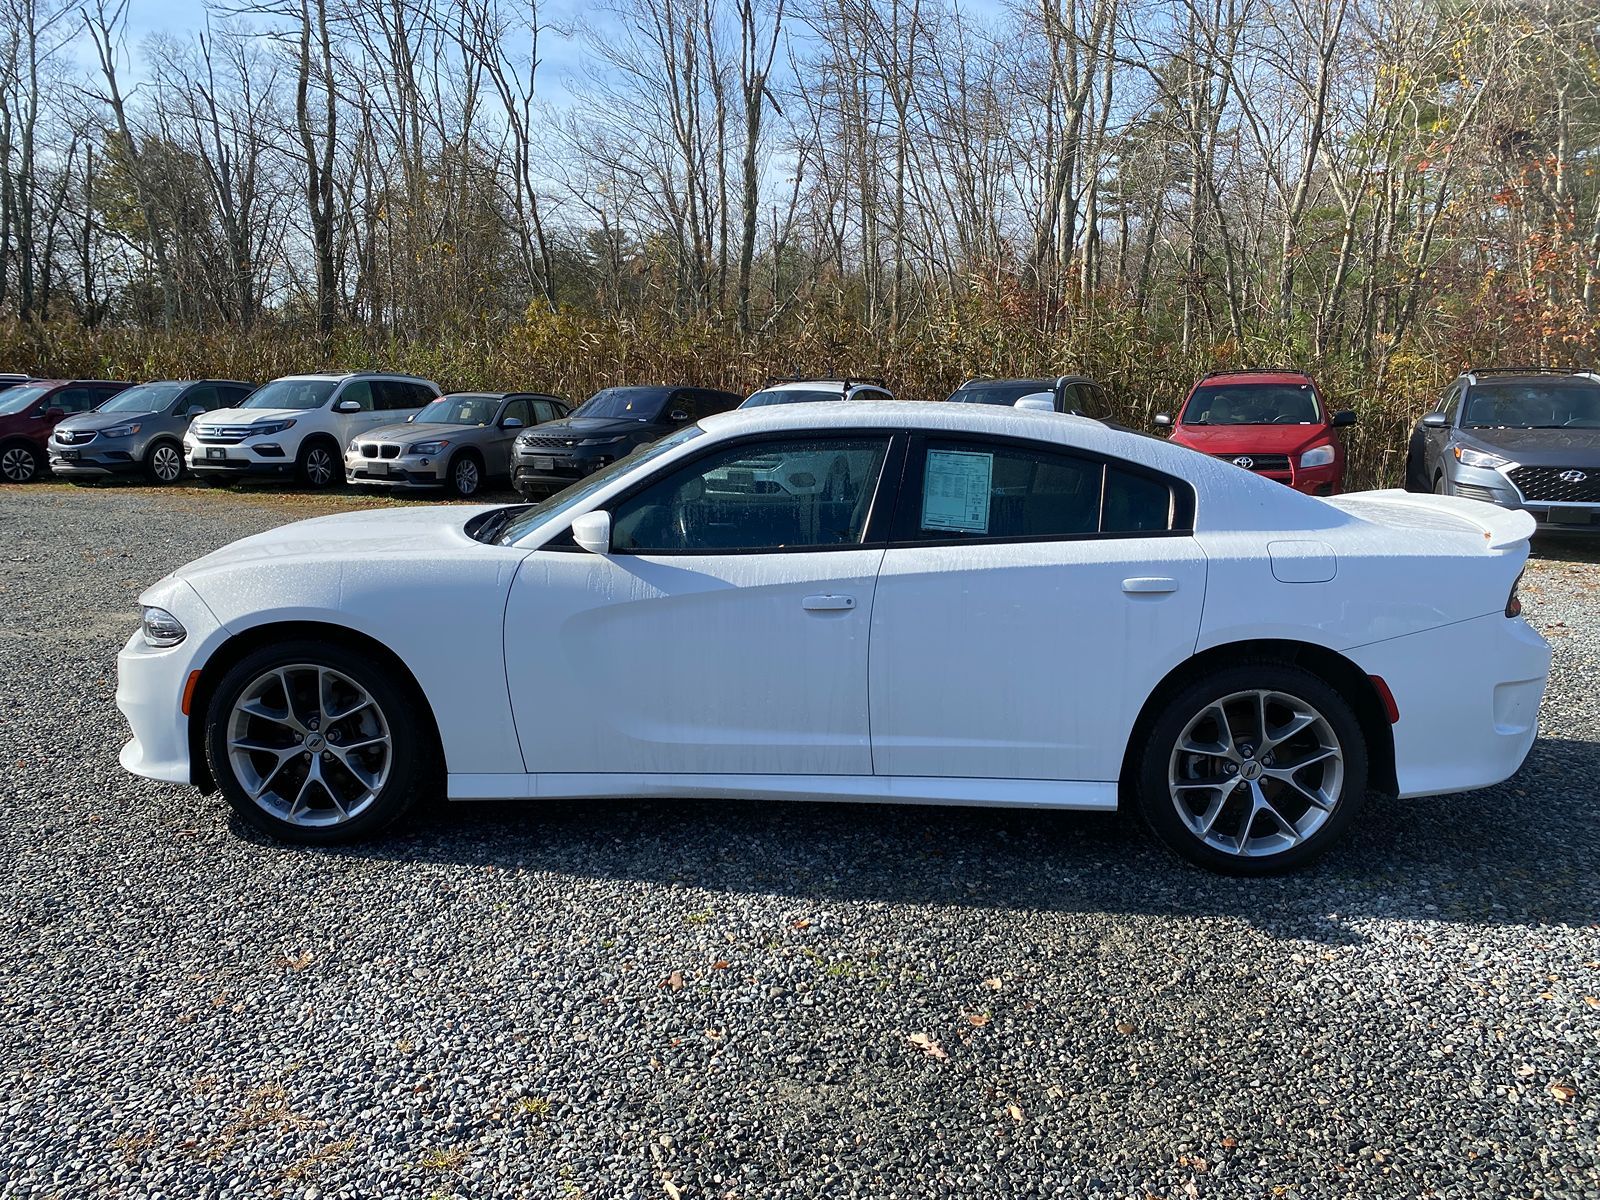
14 400
146 397
1007 391
636 404
1253 404
793 396
459 410
1528 404
303 394
524 519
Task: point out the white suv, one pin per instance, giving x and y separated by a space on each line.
300 425
810 391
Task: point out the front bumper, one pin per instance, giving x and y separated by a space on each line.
238 459
1468 696
150 686
1493 487
534 471
406 471
96 460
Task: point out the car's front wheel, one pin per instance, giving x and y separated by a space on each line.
466 475
1252 770
313 743
163 463
320 465
20 463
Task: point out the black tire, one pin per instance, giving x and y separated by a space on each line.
1440 486
411 765
1158 806
163 463
20 463
465 488
319 464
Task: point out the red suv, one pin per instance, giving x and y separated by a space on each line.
1272 422
30 410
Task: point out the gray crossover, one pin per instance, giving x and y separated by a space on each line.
1522 437
459 442
139 430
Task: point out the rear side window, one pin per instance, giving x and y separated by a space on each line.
80 399
393 395
983 491
708 402
229 395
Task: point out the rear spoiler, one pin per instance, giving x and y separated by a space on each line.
1502 528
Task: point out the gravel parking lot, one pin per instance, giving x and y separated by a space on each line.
737 1000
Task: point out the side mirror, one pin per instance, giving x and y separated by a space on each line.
1435 420
1163 420
1343 419
194 410
592 531
678 415
1037 402
511 423
347 406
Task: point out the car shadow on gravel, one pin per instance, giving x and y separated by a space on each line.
1578 548
1518 854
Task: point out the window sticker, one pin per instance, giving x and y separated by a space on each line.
955 491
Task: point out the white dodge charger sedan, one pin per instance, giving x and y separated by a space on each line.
984 606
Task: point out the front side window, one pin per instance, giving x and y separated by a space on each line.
978 491
517 410
299 394
359 391
800 494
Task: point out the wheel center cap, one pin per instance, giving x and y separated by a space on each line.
1249 770
315 742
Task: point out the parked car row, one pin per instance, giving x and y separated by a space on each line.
1524 438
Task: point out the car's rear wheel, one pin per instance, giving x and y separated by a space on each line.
319 465
466 474
20 463
312 743
1254 769
163 463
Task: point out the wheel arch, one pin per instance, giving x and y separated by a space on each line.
1333 668
248 641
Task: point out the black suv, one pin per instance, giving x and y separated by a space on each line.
1519 437
1075 394
609 424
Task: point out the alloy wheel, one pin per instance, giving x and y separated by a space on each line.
166 464
466 477
309 745
18 464
319 467
1256 773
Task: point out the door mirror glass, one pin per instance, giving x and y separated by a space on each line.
679 415
1343 419
511 423
592 532
347 406
1435 420
1163 420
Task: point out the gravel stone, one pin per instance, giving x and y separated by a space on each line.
718 999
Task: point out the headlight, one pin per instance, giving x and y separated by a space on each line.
1469 457
610 441
161 628
269 427
426 447
1317 456
127 430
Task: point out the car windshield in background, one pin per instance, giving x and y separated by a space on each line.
1008 392
637 404
1253 404
792 396
1528 404
14 400
459 410
531 517
147 397
292 393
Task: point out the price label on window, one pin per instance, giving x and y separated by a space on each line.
955 491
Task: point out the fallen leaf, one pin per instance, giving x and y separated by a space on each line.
1126 1027
1592 1001
1201 1166
1014 1111
801 924
1564 1092
927 1045
1228 1143
1191 1190
978 1019
721 964
716 1035
993 985
674 981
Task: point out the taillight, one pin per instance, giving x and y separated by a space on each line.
1514 601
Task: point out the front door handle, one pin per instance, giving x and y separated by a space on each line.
828 603
1148 585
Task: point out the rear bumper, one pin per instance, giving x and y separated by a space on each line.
1468 696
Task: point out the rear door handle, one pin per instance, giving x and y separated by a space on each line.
828 603
1149 585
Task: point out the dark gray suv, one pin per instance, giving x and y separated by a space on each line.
1519 437
139 430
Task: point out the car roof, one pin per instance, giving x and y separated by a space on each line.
339 375
1001 420
1234 378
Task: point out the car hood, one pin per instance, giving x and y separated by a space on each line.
1250 439
591 427
1538 447
385 533
251 416
99 420
411 431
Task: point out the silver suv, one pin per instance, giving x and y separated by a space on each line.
138 431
